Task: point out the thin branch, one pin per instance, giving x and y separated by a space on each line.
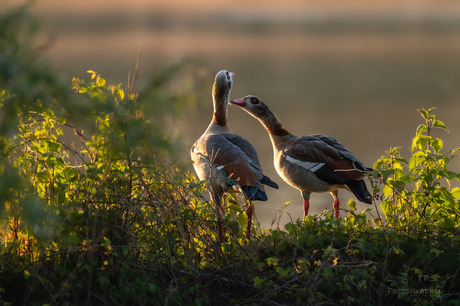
132 80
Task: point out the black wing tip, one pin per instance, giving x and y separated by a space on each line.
367 200
267 181
360 191
253 193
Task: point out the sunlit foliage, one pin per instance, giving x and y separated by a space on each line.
419 193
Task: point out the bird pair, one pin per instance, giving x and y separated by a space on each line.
310 164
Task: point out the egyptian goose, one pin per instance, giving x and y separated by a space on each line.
310 163
226 160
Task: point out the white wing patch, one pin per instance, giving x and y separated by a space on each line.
313 167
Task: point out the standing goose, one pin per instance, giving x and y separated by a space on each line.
227 160
310 163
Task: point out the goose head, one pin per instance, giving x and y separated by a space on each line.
221 94
254 106
222 86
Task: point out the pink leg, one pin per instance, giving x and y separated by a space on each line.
306 202
306 207
249 212
336 207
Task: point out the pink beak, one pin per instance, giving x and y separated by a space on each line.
240 102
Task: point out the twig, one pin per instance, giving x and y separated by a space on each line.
132 84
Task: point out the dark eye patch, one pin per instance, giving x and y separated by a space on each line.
254 100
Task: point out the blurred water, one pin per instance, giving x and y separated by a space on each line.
357 75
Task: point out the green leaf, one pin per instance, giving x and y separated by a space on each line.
258 281
121 93
420 142
439 124
420 129
70 174
393 151
272 261
234 207
100 82
456 192
424 113
282 272
352 204
417 159
448 223
291 228
387 190
54 147
437 144
415 143
93 74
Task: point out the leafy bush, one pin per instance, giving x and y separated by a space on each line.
418 193
100 204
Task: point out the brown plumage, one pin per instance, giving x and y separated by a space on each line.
226 160
315 163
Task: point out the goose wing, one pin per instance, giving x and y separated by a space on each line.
238 159
317 152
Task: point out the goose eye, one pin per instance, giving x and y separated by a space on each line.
228 76
254 100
